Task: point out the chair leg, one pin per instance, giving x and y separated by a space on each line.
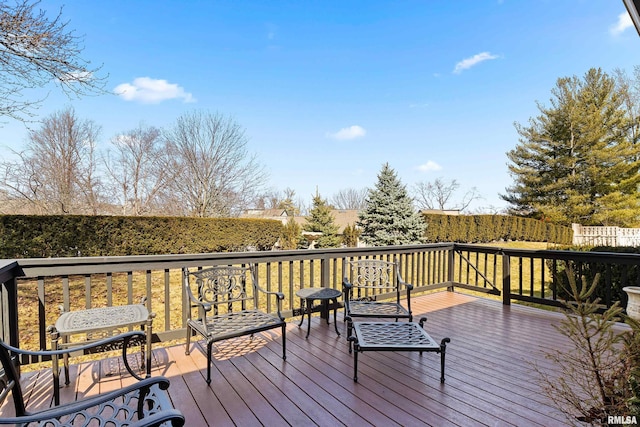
284 342
55 368
187 350
65 358
209 361
443 350
335 315
147 360
349 332
355 361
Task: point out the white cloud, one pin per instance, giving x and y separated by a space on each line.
272 31
429 166
624 22
352 132
152 91
474 60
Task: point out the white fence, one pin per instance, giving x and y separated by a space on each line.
605 236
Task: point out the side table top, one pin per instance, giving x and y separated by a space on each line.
393 335
94 319
318 293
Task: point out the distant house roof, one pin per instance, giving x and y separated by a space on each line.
341 217
441 211
263 213
344 217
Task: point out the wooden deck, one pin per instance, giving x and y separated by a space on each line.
489 374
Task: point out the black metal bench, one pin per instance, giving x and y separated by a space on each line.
228 306
395 336
144 403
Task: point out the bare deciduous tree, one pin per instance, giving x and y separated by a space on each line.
350 198
56 173
35 51
438 195
267 200
215 175
286 202
274 199
139 169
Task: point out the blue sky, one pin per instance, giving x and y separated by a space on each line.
328 91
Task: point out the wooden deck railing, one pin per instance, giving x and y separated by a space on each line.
40 286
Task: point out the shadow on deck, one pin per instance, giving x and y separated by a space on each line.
489 374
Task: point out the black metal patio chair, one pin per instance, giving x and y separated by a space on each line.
143 404
373 288
228 306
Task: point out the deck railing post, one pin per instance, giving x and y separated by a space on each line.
506 279
450 263
9 303
325 275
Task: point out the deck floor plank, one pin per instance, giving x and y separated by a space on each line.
382 391
237 409
490 375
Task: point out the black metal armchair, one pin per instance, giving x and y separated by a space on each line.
367 285
229 307
144 403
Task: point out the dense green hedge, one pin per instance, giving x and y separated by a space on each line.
489 228
25 236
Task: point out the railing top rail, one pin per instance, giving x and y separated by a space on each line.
9 269
34 267
477 248
612 257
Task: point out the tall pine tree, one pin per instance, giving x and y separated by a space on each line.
291 234
320 220
389 217
574 162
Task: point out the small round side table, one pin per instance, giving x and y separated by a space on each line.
308 295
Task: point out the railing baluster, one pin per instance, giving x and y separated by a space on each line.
531 278
87 291
129 287
42 326
167 297
109 289
66 298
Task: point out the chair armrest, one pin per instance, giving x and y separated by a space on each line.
409 286
279 298
346 285
126 338
159 418
278 295
109 343
347 288
150 384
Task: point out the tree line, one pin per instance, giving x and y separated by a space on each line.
578 161
200 167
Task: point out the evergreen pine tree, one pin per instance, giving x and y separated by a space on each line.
575 162
291 235
350 236
389 217
321 220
